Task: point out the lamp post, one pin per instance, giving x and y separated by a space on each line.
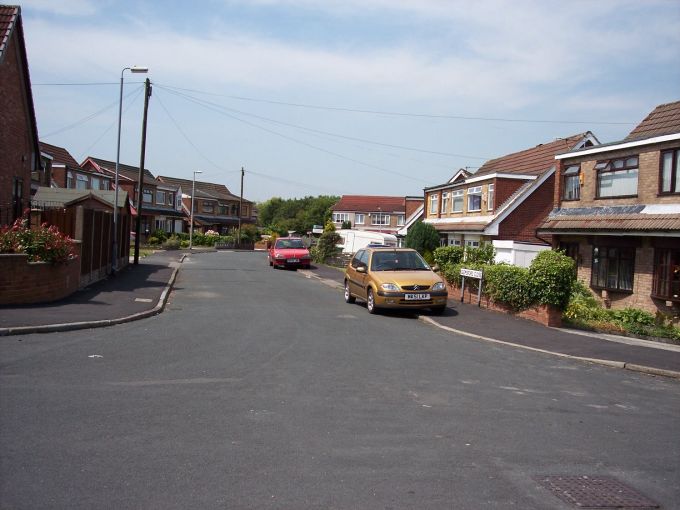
133 69
193 192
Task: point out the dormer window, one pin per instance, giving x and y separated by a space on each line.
433 203
572 183
617 177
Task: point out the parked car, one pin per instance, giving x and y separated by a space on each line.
289 252
394 278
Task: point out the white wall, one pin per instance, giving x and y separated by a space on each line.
517 254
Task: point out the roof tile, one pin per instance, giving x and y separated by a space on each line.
8 19
663 120
370 203
60 155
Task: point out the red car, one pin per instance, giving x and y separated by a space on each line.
289 252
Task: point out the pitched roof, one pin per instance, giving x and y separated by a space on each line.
203 189
64 197
663 120
60 155
369 203
532 161
131 172
9 15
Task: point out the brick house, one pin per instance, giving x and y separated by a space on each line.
19 150
65 172
505 200
215 207
374 213
161 202
617 213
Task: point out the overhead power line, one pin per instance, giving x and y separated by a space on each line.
403 114
208 106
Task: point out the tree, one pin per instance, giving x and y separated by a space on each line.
424 238
296 214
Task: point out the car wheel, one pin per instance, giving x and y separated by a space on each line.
349 298
370 301
438 310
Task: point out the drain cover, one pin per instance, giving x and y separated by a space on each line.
595 492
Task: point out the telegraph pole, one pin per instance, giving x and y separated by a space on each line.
140 190
240 208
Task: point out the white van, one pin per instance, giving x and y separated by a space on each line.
354 240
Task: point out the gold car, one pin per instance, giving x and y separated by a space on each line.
394 278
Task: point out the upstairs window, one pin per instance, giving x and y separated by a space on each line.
82 181
445 201
148 196
617 177
208 207
457 203
69 180
400 220
670 172
474 199
171 198
433 203
572 183
96 183
160 197
490 197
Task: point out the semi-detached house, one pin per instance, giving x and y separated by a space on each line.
617 213
504 201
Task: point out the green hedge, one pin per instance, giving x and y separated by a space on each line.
548 281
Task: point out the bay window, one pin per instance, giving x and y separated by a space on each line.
613 268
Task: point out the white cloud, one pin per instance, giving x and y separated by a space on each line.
62 7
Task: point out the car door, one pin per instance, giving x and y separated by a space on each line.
353 276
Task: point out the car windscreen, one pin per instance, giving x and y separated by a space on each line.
398 261
289 243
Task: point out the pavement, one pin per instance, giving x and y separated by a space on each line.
141 291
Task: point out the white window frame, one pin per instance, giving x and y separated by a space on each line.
490 197
80 178
340 217
359 218
445 201
474 192
208 206
380 219
401 220
434 206
457 196
147 196
96 182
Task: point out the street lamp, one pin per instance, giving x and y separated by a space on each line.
133 69
193 192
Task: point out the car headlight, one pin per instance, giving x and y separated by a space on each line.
439 286
279 256
389 286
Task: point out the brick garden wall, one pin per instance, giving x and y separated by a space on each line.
23 282
546 315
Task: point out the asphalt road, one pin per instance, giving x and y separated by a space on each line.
260 388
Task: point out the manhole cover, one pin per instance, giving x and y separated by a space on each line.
595 492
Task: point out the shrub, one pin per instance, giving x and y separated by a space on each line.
346 224
172 243
484 254
327 247
184 243
632 317
448 255
552 276
160 234
153 240
422 237
42 244
511 285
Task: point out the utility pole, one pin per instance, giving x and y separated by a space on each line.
140 190
240 208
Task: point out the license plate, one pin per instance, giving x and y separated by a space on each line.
292 261
416 297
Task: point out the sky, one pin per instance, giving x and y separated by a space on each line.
333 97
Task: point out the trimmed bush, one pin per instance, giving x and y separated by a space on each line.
552 276
172 243
511 285
448 255
422 237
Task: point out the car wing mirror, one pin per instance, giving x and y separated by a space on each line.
361 269
435 268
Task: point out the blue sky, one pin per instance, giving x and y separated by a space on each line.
276 86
